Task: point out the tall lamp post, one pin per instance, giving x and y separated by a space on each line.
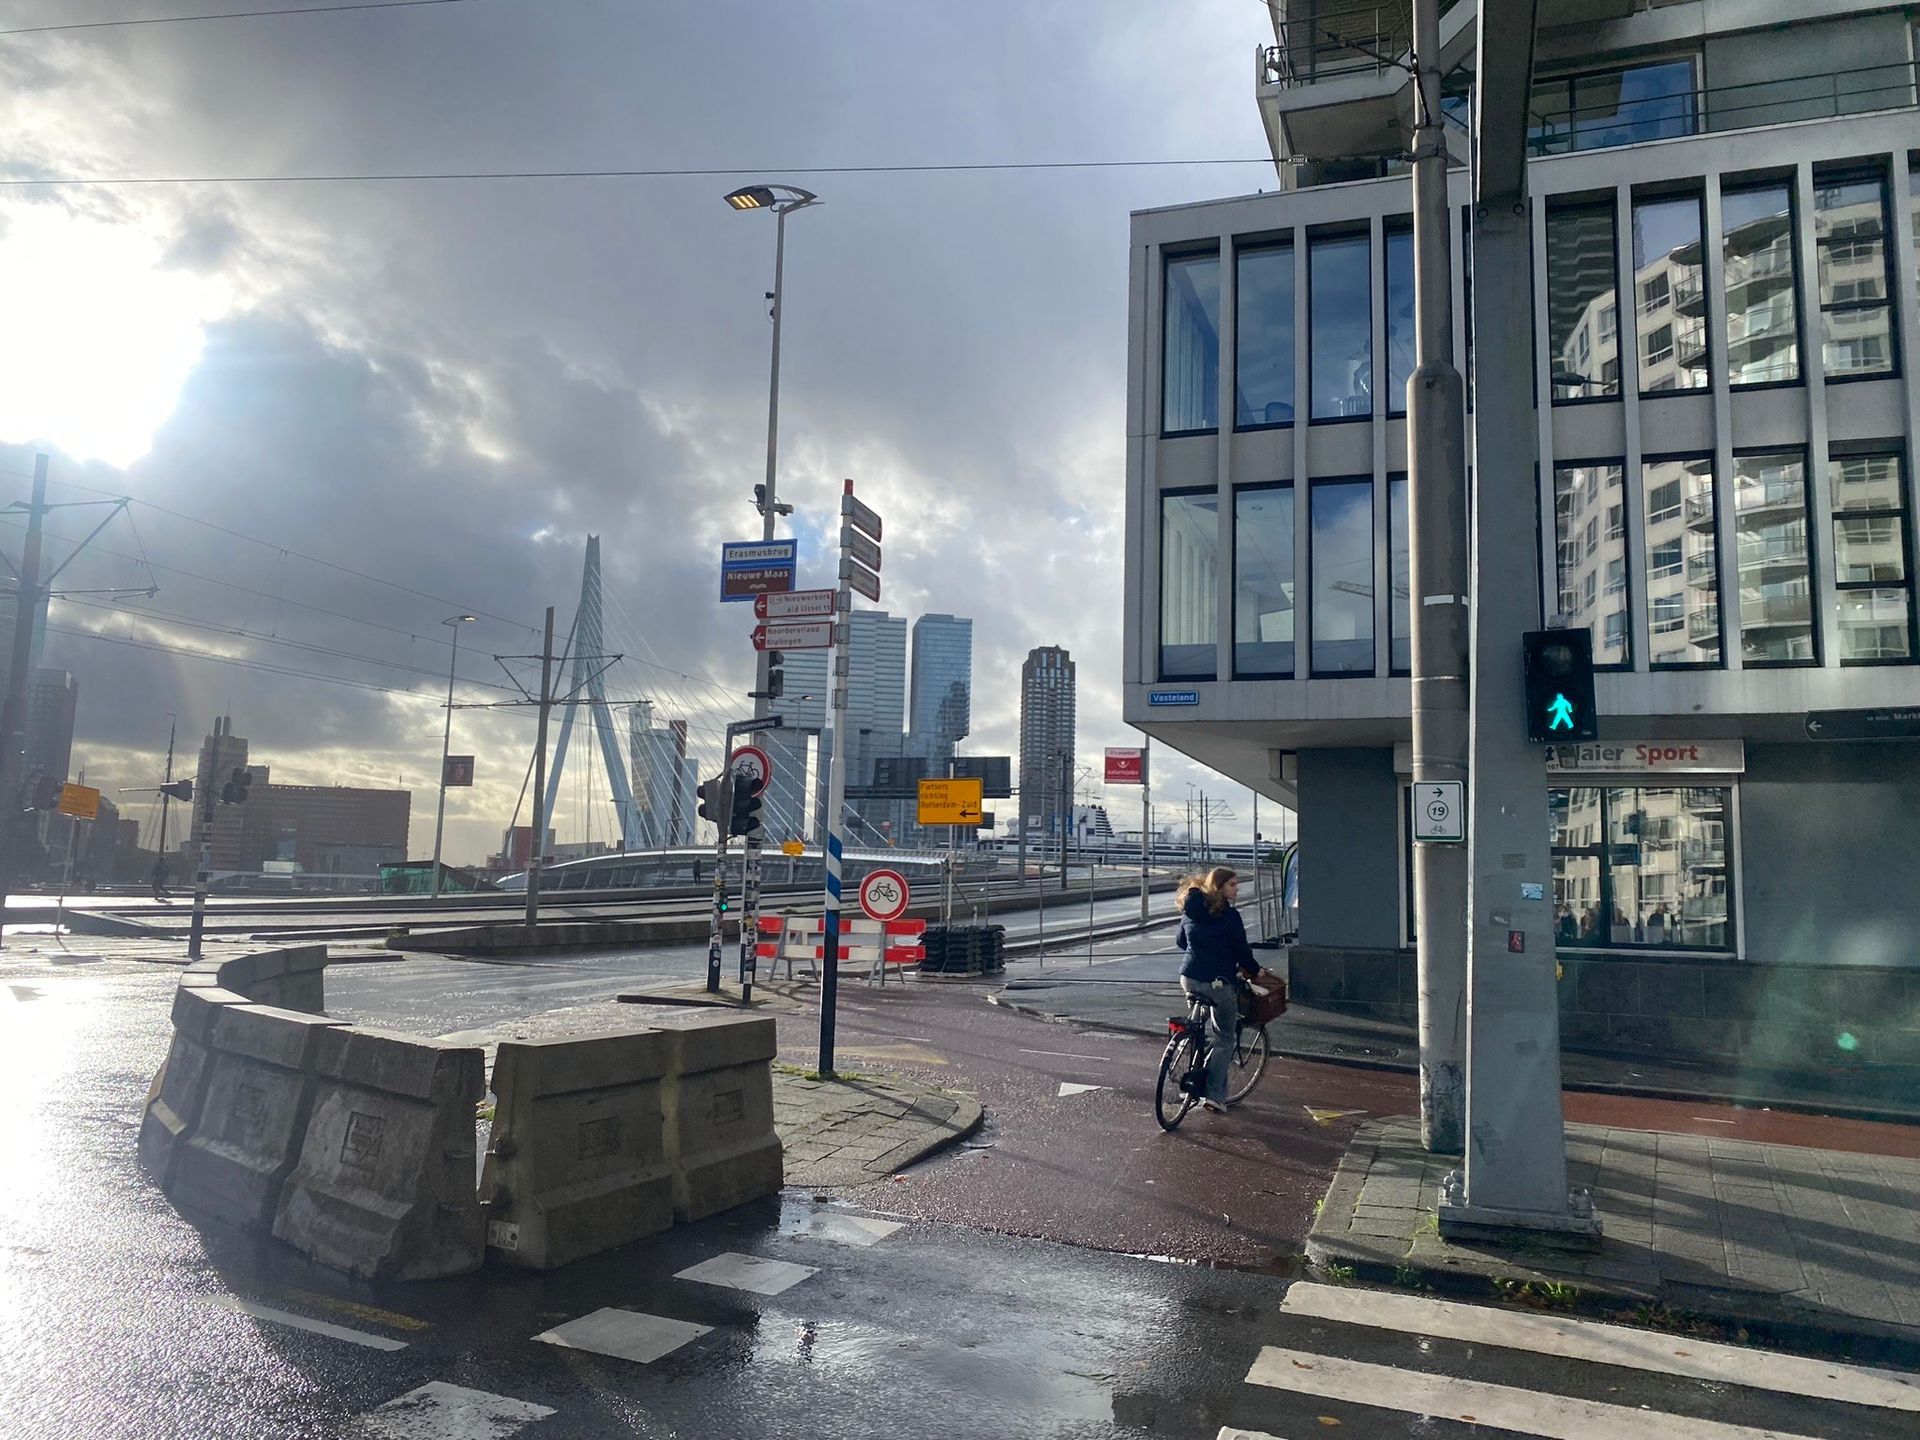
453 623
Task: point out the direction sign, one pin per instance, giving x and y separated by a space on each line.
1125 765
793 847
861 548
1901 722
794 605
951 802
859 515
752 763
80 801
884 895
861 579
793 635
1440 812
756 567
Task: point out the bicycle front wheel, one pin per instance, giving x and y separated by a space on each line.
1249 1060
1170 1102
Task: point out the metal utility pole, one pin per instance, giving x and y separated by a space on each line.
446 741
13 715
1437 534
166 798
1146 824
537 850
1065 817
839 673
953 855
203 872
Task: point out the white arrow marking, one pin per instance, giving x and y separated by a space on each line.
1067 1087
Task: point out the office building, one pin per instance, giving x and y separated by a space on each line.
53 700
942 706
1046 739
876 716
1724 269
655 762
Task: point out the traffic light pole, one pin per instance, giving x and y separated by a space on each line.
715 939
13 716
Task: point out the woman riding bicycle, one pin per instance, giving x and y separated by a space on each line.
1219 963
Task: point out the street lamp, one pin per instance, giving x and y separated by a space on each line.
452 622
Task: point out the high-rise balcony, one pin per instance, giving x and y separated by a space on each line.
1773 612
1700 511
1703 626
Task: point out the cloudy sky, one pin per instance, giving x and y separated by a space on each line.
348 409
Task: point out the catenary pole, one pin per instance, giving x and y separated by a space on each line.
537 850
13 720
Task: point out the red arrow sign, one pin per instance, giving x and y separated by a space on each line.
793 635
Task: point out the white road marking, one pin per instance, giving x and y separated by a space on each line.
856 1230
1473 1402
749 1273
1067 1087
624 1334
1609 1345
1065 1055
1227 1432
302 1322
439 1411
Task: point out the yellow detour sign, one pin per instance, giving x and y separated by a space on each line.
80 801
792 847
951 802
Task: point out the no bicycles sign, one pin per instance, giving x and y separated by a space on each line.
884 895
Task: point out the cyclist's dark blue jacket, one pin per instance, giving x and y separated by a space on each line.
1216 945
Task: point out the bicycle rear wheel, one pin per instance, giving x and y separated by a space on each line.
1249 1060
1170 1102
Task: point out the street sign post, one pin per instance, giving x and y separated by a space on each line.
860 548
1901 722
794 605
749 568
885 895
1125 765
1439 812
859 516
793 635
951 802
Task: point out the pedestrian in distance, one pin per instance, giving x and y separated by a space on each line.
1218 967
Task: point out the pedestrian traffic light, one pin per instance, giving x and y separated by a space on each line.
234 792
716 802
1558 666
747 804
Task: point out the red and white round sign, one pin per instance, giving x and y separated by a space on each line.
753 763
884 895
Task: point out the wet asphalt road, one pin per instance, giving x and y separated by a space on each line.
116 1318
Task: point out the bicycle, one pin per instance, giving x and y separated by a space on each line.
1183 1066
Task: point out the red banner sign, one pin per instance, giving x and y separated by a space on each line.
1125 766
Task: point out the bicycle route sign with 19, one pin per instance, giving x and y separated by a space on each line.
884 895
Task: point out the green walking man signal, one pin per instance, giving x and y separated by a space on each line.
1558 666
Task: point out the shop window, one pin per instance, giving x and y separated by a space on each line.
1756 241
1341 555
1683 571
1669 279
1643 868
1770 546
1340 326
1580 291
1580 500
1850 232
1263 588
1873 571
1263 337
1190 345
1189 583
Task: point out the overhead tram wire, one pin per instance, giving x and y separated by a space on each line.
342 7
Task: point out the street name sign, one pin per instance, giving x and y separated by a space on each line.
1124 765
794 605
861 579
1173 697
860 548
1900 722
884 895
859 516
951 802
793 635
1440 812
756 567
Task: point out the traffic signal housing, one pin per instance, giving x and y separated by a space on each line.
747 805
43 793
716 802
234 792
1558 667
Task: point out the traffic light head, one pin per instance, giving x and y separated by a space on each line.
43 793
716 801
747 804
1558 666
776 675
234 792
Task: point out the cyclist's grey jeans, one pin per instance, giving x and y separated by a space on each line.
1223 1020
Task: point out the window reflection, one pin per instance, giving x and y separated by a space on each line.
1263 580
1263 337
1341 555
1770 544
1642 867
1400 579
1341 337
1683 573
1872 567
1669 296
1189 583
1850 236
1591 544
1623 106
1582 304
1400 324
1756 237
1190 353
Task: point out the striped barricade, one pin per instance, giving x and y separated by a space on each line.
877 944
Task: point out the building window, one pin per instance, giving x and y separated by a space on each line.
1580 496
1683 572
1850 233
1340 339
1400 325
1873 570
1652 100
1580 290
1189 583
1669 275
1770 546
1263 581
1341 557
1190 351
1263 337
1400 579
1763 326
1642 868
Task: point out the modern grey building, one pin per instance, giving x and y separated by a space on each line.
656 763
876 716
1725 274
1047 701
942 678
53 703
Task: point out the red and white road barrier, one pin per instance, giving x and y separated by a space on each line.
875 943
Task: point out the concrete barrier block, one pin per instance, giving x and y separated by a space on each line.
577 1161
258 1087
710 1038
727 1151
384 1182
179 1088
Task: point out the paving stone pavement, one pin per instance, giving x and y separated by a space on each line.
856 1129
1732 1231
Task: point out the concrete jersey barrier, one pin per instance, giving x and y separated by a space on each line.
718 1108
179 1090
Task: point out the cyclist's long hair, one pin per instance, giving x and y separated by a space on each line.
1213 885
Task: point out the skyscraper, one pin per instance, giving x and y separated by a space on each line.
942 678
52 701
876 712
1046 734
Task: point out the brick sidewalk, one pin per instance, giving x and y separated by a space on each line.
854 1130
1750 1236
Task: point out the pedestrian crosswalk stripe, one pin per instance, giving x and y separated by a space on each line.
311 1326
1229 1433
624 1334
439 1411
749 1273
859 1231
1608 1345
1474 1402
